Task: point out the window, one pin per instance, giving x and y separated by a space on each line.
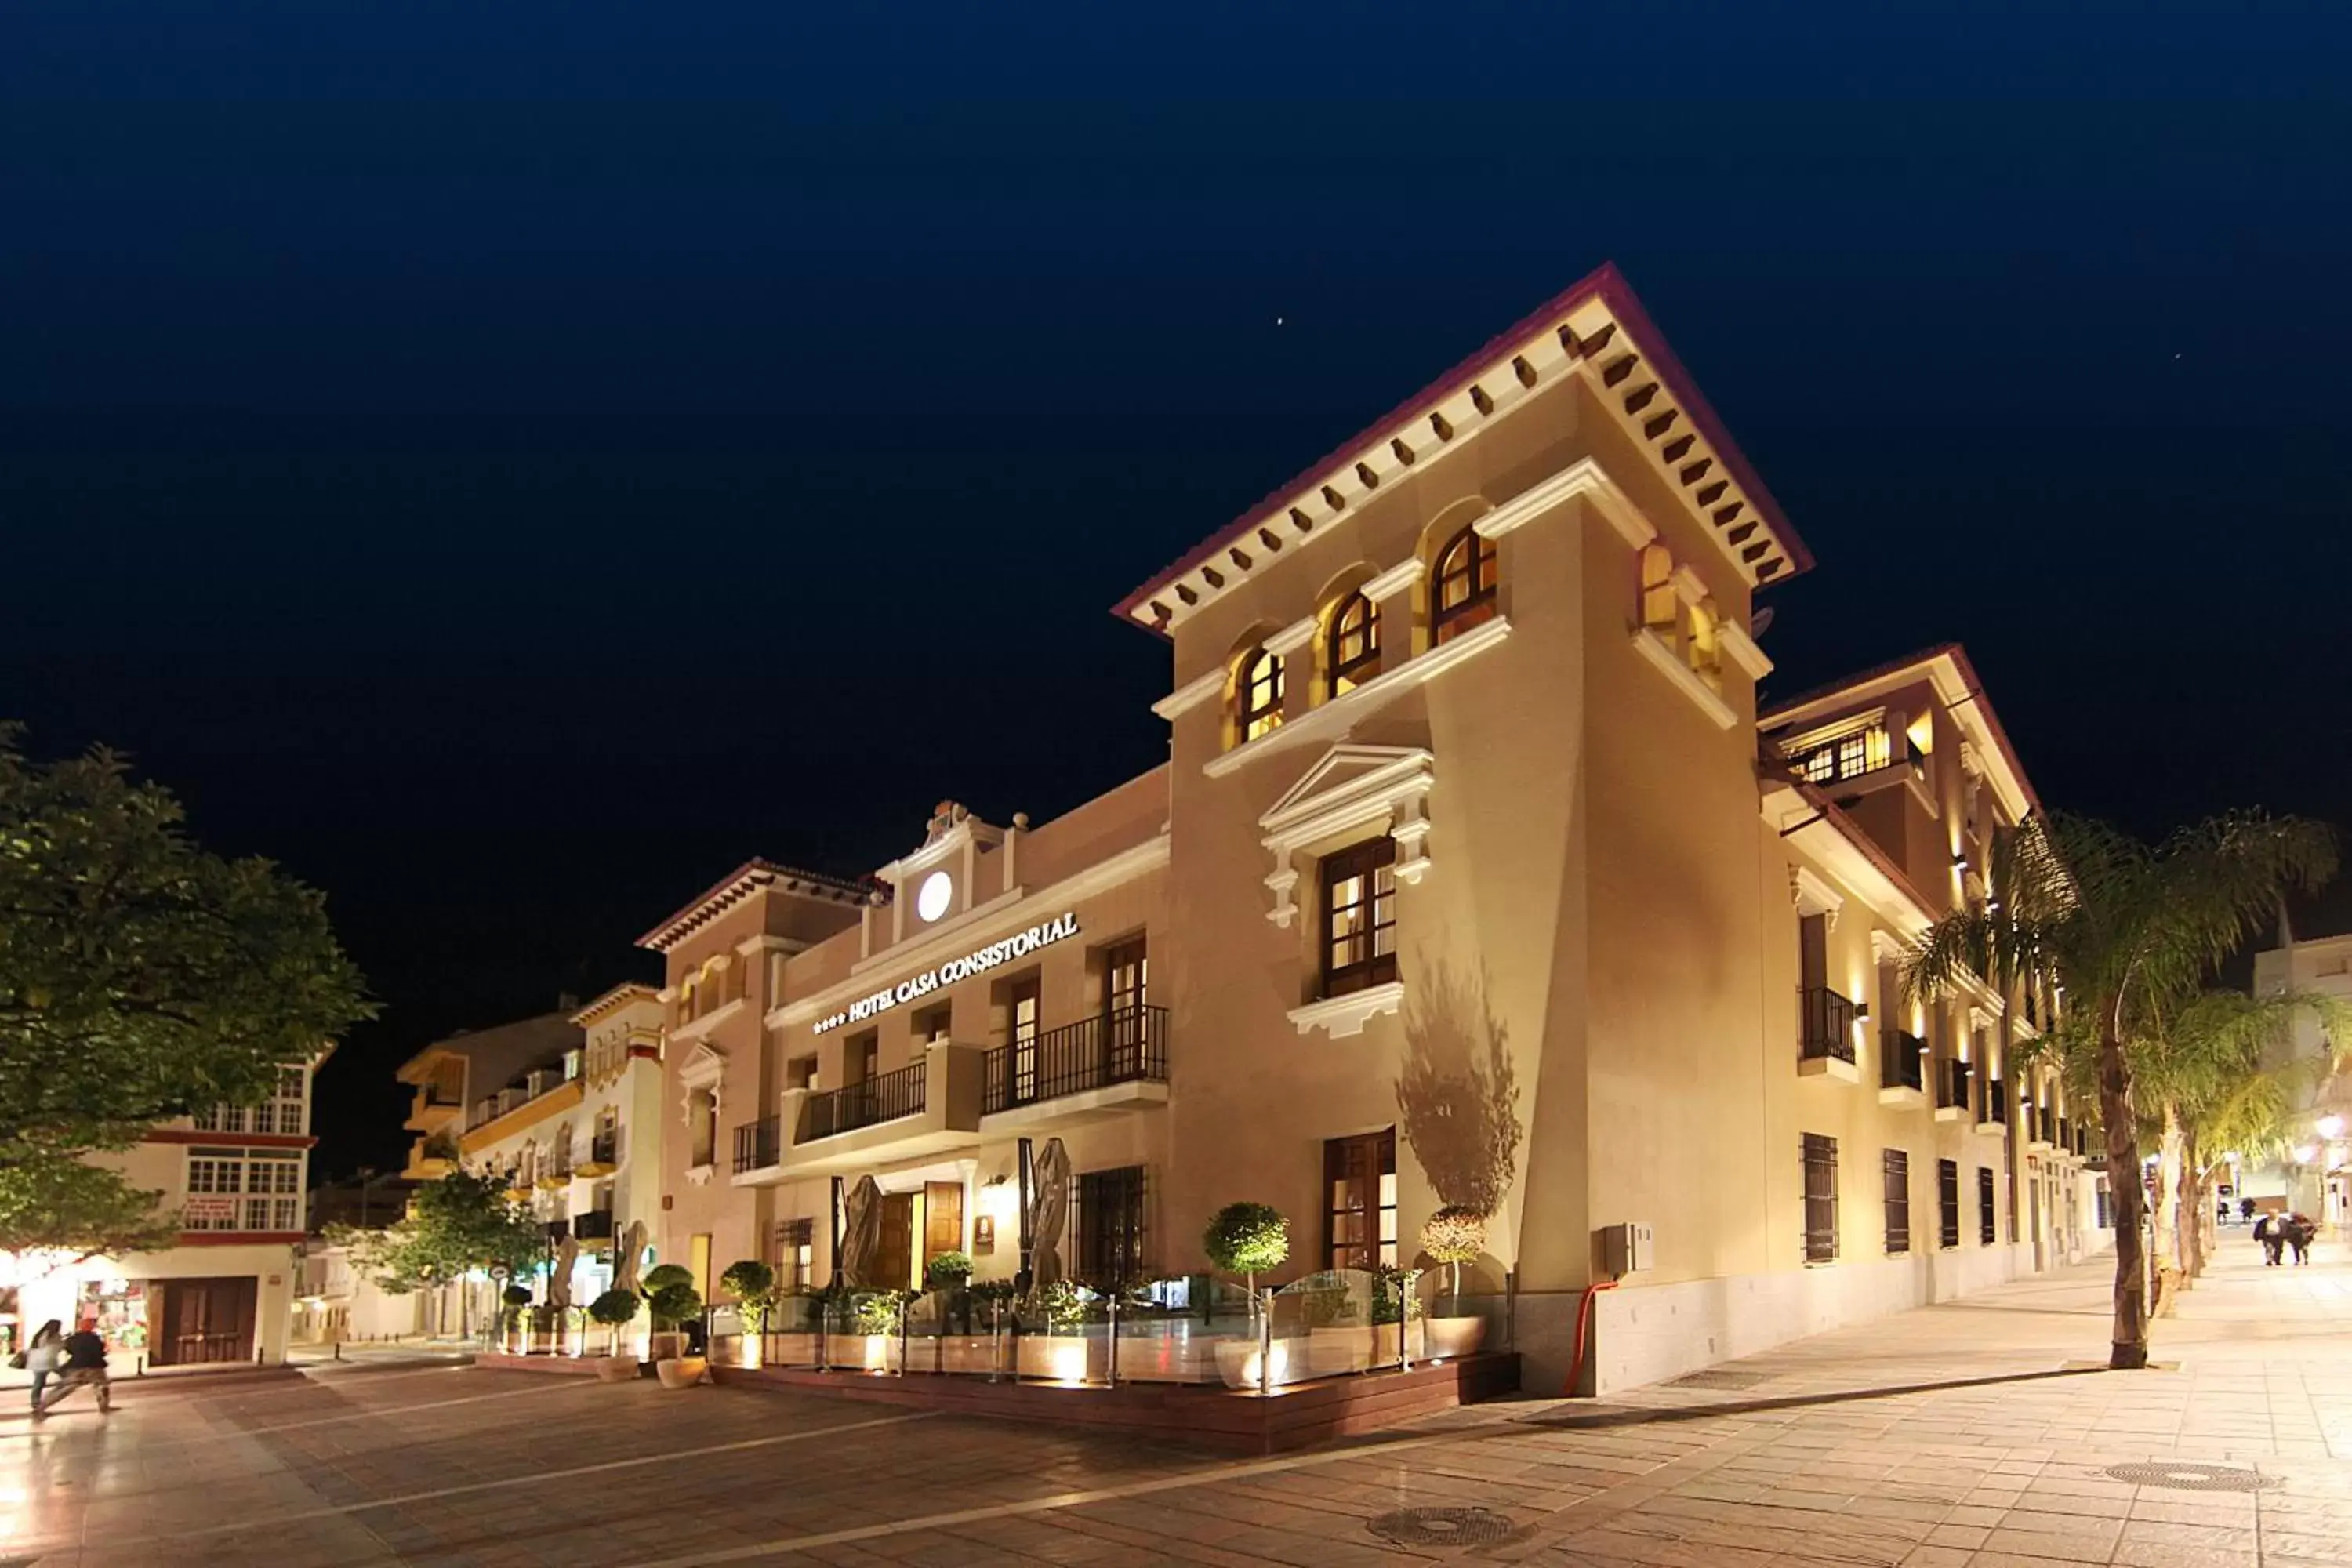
930 1027
1125 973
1359 1226
1359 917
1702 648
243 1190
702 1127
1988 1226
1020 1030
1947 1203
1659 606
795 1240
1462 587
1898 1168
1821 1199
1353 654
800 1072
1111 1227
2099 1200
1257 696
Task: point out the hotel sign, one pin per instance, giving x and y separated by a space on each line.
1018 945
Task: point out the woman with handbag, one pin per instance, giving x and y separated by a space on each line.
40 1356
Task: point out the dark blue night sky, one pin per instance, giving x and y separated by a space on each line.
513 462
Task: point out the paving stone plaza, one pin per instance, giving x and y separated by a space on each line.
1968 1434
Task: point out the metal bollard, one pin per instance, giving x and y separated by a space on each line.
1112 1348
1265 1345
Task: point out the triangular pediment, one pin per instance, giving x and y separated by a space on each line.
1346 779
704 1064
1346 772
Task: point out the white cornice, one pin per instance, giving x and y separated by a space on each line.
1292 637
695 1030
1192 694
1652 646
936 946
1341 1017
1333 719
766 943
1584 478
1743 650
1394 581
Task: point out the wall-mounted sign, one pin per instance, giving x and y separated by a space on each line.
208 1209
1018 945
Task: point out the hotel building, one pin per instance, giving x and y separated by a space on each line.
1474 875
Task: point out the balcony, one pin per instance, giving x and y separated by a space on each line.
1095 1066
1992 1107
595 1225
1952 1091
887 1098
603 1154
756 1144
558 1230
1901 1067
2040 1127
1859 761
930 1107
1826 1035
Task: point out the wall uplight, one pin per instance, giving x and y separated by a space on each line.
2331 1127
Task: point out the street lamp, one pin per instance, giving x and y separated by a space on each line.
2306 1154
2331 1127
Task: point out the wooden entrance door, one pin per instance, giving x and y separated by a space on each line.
895 1260
207 1321
942 1220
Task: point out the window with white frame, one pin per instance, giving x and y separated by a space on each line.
243 1190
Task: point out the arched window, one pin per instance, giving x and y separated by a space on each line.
1353 656
1462 585
1257 696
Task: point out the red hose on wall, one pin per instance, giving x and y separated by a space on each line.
1584 1312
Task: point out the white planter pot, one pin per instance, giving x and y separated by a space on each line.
681 1372
1448 1338
616 1368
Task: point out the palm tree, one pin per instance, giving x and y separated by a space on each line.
2220 1076
2123 934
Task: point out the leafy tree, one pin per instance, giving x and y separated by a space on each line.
1247 1239
141 978
616 1309
463 1221
753 1285
2127 934
75 1210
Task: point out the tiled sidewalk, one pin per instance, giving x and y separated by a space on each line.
1805 1455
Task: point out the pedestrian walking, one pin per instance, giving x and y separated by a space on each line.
2245 1210
2268 1230
40 1355
85 1367
2299 1230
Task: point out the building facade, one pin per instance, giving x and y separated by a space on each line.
234 1175
2315 1177
1474 877
578 1136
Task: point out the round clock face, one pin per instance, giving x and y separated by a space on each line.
931 898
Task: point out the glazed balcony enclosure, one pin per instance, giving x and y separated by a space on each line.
956 1094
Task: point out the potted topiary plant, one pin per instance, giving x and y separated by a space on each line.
875 1317
674 1304
753 1285
665 1343
616 1309
1248 1239
948 1276
1454 1236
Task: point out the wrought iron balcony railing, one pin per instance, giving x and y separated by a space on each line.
1825 1025
1125 1047
1899 1061
756 1145
886 1098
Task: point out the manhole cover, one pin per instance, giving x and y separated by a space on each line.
1441 1526
1718 1380
2188 1477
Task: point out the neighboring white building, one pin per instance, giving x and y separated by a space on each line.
236 1176
339 1303
578 1135
2315 1178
